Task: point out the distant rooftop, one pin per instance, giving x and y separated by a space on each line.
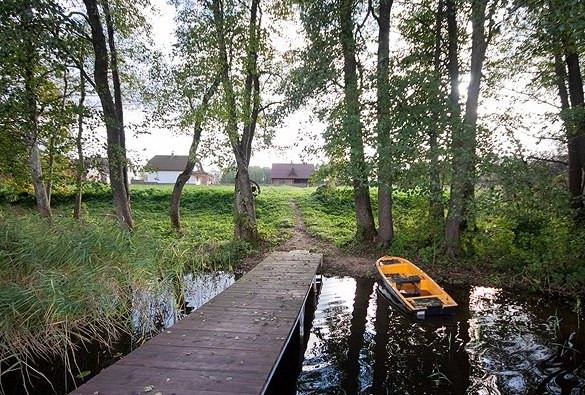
170 163
292 170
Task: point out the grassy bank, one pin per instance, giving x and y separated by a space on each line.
513 242
69 284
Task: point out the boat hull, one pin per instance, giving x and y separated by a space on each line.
411 288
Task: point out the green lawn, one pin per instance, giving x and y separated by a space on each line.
206 211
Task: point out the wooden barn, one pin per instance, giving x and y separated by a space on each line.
296 174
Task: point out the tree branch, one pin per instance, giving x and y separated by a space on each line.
361 25
81 14
371 8
491 23
265 107
560 162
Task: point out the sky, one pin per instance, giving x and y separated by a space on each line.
298 130
290 140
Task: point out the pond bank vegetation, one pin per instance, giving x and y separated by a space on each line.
66 284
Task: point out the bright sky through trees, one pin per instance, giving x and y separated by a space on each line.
300 129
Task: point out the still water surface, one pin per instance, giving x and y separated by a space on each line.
153 311
498 342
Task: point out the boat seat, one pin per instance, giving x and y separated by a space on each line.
399 280
432 301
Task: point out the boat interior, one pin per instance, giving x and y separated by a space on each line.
413 284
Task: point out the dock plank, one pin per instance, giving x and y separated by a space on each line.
230 345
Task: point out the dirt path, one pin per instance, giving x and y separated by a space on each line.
335 261
361 263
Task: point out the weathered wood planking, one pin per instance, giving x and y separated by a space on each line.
231 345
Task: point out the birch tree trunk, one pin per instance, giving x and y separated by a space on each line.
32 126
80 171
50 168
36 172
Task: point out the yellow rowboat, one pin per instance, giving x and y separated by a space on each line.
413 288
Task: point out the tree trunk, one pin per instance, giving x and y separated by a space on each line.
32 126
50 167
386 228
244 207
453 65
51 148
36 171
352 125
436 210
117 89
244 210
245 227
80 171
452 224
465 139
576 134
114 130
478 49
183 178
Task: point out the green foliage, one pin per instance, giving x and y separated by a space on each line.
525 225
37 106
524 236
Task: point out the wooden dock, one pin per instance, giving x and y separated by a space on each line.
230 345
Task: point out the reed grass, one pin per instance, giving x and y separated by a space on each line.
62 285
68 284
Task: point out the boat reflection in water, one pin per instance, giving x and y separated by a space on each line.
496 342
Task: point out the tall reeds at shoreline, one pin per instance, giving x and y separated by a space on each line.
67 285
62 286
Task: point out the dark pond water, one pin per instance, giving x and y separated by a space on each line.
498 342
154 311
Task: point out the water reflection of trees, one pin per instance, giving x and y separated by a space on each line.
351 366
501 343
363 345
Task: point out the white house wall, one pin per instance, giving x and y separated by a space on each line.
167 177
